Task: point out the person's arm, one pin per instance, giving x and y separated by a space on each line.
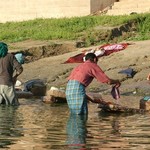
18 69
116 82
18 72
102 77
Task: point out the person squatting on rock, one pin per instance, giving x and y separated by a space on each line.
10 69
80 77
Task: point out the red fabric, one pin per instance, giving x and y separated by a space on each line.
109 48
86 72
76 59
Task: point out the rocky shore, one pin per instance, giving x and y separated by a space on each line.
51 69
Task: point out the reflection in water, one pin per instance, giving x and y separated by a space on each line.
37 126
8 124
76 131
128 131
116 127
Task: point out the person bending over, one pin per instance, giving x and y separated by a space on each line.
80 77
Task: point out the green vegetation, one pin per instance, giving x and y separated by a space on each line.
87 29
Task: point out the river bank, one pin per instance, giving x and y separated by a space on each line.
52 70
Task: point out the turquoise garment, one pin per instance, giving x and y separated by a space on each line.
76 131
76 97
3 49
20 58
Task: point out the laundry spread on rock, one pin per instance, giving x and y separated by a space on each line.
103 50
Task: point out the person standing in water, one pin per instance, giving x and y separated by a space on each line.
80 77
10 69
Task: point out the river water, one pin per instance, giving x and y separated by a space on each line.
35 125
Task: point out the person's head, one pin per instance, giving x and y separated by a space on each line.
92 57
3 49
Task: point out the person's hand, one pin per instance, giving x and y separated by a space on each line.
148 77
118 84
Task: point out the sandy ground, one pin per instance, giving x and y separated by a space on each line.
135 56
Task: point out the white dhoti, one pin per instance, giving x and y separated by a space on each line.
8 95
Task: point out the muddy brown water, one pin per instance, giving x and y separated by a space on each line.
40 126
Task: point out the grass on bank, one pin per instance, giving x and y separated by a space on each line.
72 28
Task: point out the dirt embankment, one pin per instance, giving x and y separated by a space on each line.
55 73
